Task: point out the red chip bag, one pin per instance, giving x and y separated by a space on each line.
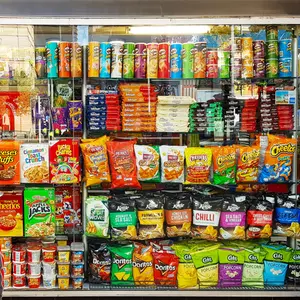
123 164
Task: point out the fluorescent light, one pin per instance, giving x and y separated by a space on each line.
172 30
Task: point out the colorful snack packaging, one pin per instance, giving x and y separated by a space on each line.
123 219
172 163
142 263
233 218
224 164
248 162
278 159
95 161
97 216
9 162
178 214
121 270
230 267
206 217
198 162
123 164
293 272
147 162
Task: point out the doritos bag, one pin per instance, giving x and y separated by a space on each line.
123 164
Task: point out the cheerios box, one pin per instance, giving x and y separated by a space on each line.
39 212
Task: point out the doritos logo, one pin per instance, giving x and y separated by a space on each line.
164 268
121 261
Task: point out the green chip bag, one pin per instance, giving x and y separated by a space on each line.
121 270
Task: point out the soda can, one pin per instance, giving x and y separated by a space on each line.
93 59
224 71
188 60
212 57
152 60
247 71
259 68
212 71
200 60
247 44
285 48
105 60
116 59
272 32
52 59
64 65
140 60
259 49
223 57
272 50
75 114
272 68
176 60
76 60
237 70
40 62
128 60
285 67
164 60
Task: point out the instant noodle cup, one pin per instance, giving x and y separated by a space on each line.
63 269
63 283
34 282
19 268
49 269
63 254
7 268
6 253
49 253
19 254
77 270
49 281
34 254
5 243
34 269
7 281
77 283
19 281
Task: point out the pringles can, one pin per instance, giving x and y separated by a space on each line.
285 67
105 60
40 62
52 59
75 114
152 60
272 68
64 62
212 57
285 48
93 59
176 61
259 68
188 60
116 59
140 60
272 32
212 71
258 49
272 49
200 60
76 60
247 44
164 60
128 60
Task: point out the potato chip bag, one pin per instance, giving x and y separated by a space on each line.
293 272
123 219
198 162
147 162
172 163
121 270
142 263
248 162
224 164
95 160
278 159
123 164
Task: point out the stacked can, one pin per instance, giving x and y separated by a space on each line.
116 59
152 60
40 62
272 51
188 60
212 70
285 58
19 266
140 60
5 246
164 60
259 59
224 64
237 58
52 59
128 60
105 60
93 59
200 60
247 57
176 61
76 60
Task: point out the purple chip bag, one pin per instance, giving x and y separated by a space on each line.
59 117
230 275
75 115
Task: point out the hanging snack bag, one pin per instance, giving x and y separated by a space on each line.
121 270
293 272
123 219
178 214
172 163
276 264
97 216
206 217
231 267
123 164
95 161
260 217
198 162
99 263
278 160
224 163
142 263
151 216
147 162
248 162
233 218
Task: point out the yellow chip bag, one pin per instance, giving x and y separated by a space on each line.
198 162
95 160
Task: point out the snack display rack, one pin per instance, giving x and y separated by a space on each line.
81 97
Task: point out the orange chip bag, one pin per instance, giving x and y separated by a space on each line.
248 161
95 160
123 164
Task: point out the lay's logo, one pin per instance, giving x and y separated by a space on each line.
278 149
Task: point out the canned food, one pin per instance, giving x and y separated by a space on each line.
52 59
224 71
93 59
152 60
163 60
272 49
188 60
259 68
285 67
34 268
272 32
176 60
259 49
272 68
34 282
19 268
212 57
128 60
116 59
247 44
76 60
105 60
40 64
200 60
64 66
212 71
247 71
140 60
19 281
285 48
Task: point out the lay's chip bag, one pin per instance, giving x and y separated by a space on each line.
293 272
278 159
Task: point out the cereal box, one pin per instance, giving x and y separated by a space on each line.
39 212
34 163
9 162
11 213
64 161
